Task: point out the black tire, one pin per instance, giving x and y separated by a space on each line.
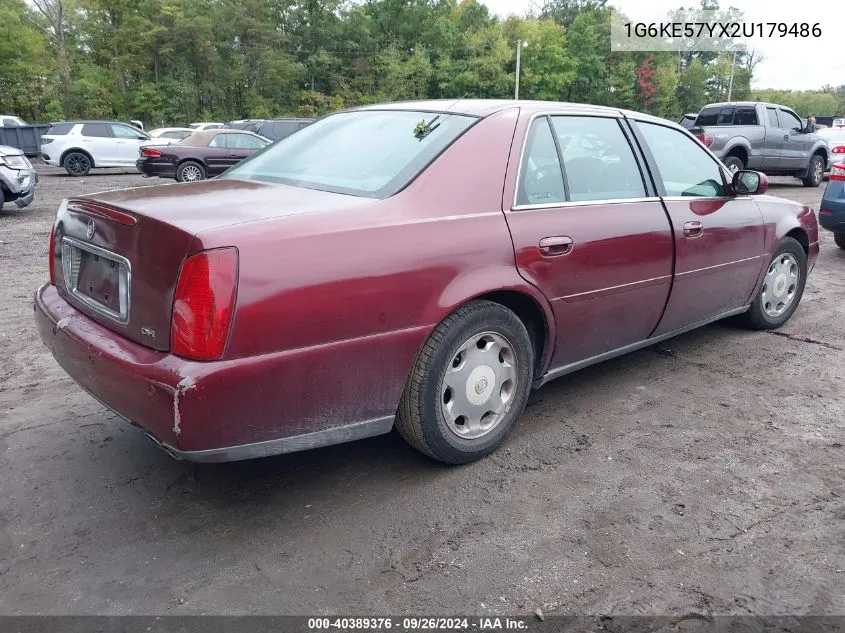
77 164
756 317
187 169
839 238
815 173
420 419
734 164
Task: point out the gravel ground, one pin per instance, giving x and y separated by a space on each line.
704 475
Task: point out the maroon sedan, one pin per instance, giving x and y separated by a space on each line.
421 266
203 154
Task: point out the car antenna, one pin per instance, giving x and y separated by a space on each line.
424 128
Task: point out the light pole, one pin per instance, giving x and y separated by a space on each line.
520 44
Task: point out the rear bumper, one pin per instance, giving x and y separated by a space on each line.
206 412
152 168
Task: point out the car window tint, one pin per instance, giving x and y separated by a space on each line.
371 153
281 129
121 131
708 116
773 117
745 116
726 117
59 129
10 123
789 120
598 162
95 129
541 178
686 169
243 141
176 135
218 141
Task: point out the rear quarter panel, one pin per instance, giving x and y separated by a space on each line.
333 306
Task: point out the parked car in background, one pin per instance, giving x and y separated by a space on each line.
203 154
764 136
206 126
832 206
274 129
17 178
835 139
688 120
7 120
168 135
137 124
419 264
80 146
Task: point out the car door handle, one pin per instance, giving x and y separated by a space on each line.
693 228
556 245
786 137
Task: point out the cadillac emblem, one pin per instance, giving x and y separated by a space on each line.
90 232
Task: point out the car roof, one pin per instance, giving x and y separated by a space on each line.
486 107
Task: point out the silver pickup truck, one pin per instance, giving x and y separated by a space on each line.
765 137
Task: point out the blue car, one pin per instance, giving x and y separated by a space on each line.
832 208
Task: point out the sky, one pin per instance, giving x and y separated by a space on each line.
788 63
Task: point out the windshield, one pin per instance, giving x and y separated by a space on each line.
369 153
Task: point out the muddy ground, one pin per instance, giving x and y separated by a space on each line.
704 475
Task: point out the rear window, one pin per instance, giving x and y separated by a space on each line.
373 153
708 116
60 129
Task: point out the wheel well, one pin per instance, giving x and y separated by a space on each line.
821 152
740 152
531 315
199 162
72 150
801 236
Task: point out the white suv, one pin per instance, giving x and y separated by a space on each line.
79 146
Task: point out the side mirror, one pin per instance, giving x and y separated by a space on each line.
747 182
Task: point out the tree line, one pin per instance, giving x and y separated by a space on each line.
176 61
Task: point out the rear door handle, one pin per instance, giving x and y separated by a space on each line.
555 245
786 137
693 228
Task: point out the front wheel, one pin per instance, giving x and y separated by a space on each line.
839 238
469 385
782 288
815 173
189 171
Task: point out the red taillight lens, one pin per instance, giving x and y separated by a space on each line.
204 303
707 140
152 153
837 171
839 149
52 256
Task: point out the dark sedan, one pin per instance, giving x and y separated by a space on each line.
832 208
203 154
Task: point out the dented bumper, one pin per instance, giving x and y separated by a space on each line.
206 411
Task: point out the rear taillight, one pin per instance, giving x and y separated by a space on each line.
52 256
204 303
152 153
839 149
707 140
45 141
837 171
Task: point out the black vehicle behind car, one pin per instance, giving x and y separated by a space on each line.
274 129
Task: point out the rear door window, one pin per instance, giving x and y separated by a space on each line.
598 162
541 177
122 131
708 116
218 141
96 130
773 117
244 141
282 129
745 116
726 117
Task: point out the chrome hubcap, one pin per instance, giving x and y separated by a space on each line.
191 173
818 170
477 390
780 285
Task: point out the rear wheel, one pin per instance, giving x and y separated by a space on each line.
815 173
782 288
839 238
190 171
77 164
469 385
734 164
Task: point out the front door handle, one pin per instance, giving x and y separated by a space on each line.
556 245
786 137
693 229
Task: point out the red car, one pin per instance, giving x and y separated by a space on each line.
421 266
203 154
